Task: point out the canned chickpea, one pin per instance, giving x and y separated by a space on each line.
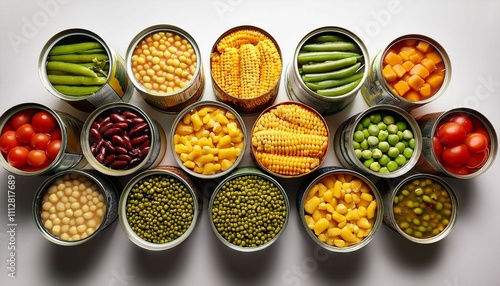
77 66
164 64
73 206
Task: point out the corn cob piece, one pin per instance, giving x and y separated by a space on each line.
249 71
270 68
289 143
239 38
287 165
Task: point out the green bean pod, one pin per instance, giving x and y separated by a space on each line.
338 74
74 48
328 65
75 80
327 38
339 90
334 82
307 57
77 90
72 68
77 58
92 51
331 46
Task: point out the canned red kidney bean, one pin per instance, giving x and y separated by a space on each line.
120 139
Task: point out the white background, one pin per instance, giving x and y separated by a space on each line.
468 30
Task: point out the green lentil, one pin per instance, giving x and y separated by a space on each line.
160 208
249 211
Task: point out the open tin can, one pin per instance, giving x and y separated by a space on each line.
103 80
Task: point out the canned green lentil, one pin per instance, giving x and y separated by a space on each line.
249 210
245 67
422 208
383 140
459 143
159 208
73 206
77 66
327 70
164 64
341 210
37 140
120 139
411 71
208 139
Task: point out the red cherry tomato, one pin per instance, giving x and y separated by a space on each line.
455 155
451 133
44 122
477 160
17 156
438 148
460 170
39 141
20 118
476 142
53 148
56 134
36 158
25 132
464 120
484 132
8 140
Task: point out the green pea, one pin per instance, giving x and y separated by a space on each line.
359 127
382 126
400 135
375 118
368 162
418 211
376 153
401 125
356 145
393 139
375 166
416 221
393 152
384 160
382 135
388 119
411 143
372 141
400 159
400 146
383 146
366 122
407 134
364 144
419 192
373 130
359 136
359 153
408 152
366 133
392 166
405 192
392 129
384 170
367 154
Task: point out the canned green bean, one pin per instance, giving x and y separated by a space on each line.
77 66
422 207
328 75
245 67
383 141
471 155
120 139
260 205
341 210
40 140
159 208
73 206
164 64
411 71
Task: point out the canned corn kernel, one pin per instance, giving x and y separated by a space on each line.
68 214
329 89
245 67
164 64
164 179
411 71
433 160
88 93
65 138
422 208
351 204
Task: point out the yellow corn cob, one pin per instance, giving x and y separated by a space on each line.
231 71
290 143
249 71
287 165
238 38
270 68
291 121
216 68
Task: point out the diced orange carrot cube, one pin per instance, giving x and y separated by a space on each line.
415 58
404 55
389 73
412 96
415 82
425 90
408 65
393 59
410 42
423 46
434 56
435 80
401 87
420 70
399 69
428 64
409 50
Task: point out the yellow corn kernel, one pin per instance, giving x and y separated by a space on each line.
352 215
183 129
181 148
355 198
341 178
232 129
321 225
223 141
177 138
196 121
370 210
309 221
330 241
337 189
195 153
364 223
189 164
362 233
328 217
356 185
333 203
329 181
322 237
312 191
228 153
338 217
204 159
348 198
347 235
341 209
322 206
328 195
339 243
221 119
335 231
208 168
329 208
184 157
317 215
367 197
361 211
225 164
312 204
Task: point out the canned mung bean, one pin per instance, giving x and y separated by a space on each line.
208 139
73 206
164 64
249 210
459 143
120 139
411 71
383 140
37 140
340 209
327 70
422 208
159 208
77 66
245 67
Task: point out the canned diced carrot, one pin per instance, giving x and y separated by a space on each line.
415 58
428 64
435 80
408 65
415 82
393 59
420 70
425 90
434 56
423 46
401 87
399 69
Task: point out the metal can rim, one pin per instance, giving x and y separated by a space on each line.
126 226
248 172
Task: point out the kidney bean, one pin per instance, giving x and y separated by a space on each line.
118 141
118 164
144 152
109 159
115 117
146 143
96 135
121 125
134 162
129 114
112 131
105 127
100 158
124 157
138 129
128 143
105 121
121 150
138 120
136 141
96 125
109 147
